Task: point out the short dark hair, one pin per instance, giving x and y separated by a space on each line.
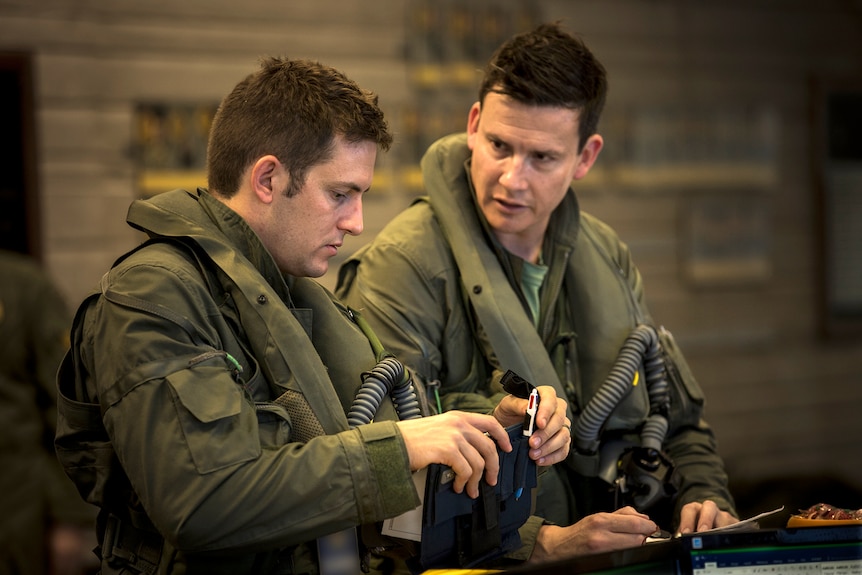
292 109
549 67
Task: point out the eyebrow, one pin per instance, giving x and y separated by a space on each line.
546 152
350 186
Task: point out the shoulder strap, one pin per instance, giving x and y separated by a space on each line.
302 357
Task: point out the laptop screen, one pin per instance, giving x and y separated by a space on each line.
809 551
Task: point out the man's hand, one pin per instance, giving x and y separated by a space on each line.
702 516
595 533
552 439
466 442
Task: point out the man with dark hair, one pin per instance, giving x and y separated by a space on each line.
497 268
205 401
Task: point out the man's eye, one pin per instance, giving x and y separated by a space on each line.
543 157
498 146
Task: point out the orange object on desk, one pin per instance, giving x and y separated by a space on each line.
800 521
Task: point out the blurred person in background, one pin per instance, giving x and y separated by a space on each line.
44 525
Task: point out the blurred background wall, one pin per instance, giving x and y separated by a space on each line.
731 168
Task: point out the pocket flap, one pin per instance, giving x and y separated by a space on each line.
194 390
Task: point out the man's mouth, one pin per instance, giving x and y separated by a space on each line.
509 205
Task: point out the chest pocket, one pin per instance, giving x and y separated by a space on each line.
216 428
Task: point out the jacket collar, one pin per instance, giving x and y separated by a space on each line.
201 217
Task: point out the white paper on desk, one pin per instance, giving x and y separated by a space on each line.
408 525
750 523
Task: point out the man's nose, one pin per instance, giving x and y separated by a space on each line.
513 176
352 222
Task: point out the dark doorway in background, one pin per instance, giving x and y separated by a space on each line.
19 197
837 170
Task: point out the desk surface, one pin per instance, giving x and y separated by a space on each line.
784 546
659 558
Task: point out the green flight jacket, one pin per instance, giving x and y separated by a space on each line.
181 355
444 296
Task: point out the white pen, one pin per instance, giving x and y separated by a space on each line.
529 427
530 416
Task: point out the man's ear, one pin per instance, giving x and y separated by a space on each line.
473 123
589 154
267 178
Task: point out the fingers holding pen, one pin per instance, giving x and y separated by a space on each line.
551 441
552 437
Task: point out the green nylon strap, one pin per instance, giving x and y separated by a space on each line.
379 352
